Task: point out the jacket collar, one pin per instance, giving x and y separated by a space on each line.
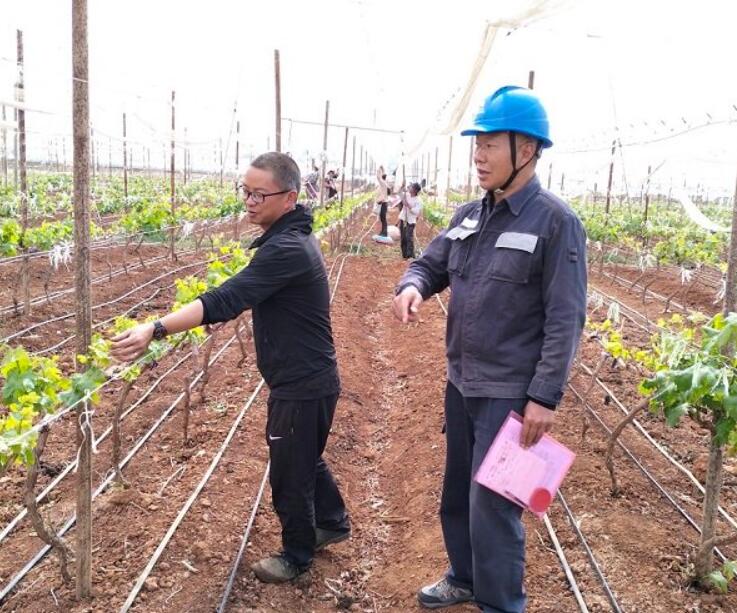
516 201
300 218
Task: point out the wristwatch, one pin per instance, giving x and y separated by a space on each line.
159 330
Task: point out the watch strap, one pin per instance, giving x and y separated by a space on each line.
160 331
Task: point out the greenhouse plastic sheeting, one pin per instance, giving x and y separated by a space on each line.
696 215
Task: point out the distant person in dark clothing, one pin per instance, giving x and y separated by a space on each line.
330 185
312 181
411 207
285 285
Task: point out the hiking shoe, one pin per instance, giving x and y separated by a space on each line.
324 537
276 569
443 594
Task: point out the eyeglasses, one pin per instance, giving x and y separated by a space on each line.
258 197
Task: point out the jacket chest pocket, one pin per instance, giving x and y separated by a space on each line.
512 257
458 256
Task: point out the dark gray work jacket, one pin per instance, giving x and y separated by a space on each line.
517 273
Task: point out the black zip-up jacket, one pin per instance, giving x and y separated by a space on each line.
286 287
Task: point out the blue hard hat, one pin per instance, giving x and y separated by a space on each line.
512 109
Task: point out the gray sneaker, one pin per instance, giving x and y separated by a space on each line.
276 569
323 537
443 594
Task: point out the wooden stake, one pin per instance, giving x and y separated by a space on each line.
325 152
730 295
611 175
81 131
647 193
125 159
353 167
470 169
15 151
20 97
450 166
277 100
5 150
222 164
173 170
237 151
92 152
531 80
185 165
360 164
342 174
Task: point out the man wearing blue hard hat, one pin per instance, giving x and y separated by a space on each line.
516 265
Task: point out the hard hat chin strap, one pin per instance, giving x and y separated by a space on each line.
515 170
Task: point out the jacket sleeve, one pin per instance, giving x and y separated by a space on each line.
273 266
429 274
564 303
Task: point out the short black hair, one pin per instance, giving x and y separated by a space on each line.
284 168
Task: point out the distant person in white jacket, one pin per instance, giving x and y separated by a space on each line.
411 208
382 198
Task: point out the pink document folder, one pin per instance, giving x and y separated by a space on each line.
529 477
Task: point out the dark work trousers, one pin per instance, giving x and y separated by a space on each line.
407 232
382 217
483 532
303 491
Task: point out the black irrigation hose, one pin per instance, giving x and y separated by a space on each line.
592 559
64 341
13 583
114 240
103 304
707 272
659 297
100 279
94 281
645 471
643 431
567 570
244 542
190 501
73 464
629 312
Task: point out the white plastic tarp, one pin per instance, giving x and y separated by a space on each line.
695 215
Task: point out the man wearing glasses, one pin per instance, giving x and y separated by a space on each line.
285 285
